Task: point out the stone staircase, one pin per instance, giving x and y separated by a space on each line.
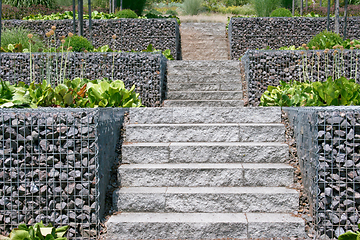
204 84
205 173
204 167
204 41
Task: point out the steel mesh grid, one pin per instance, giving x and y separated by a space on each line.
328 143
268 67
50 170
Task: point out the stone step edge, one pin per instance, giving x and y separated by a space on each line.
204 124
207 190
206 92
205 144
248 225
221 217
207 166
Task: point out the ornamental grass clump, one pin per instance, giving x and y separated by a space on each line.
18 37
192 7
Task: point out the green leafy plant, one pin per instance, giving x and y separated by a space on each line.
192 7
14 95
78 43
126 13
281 12
339 92
350 235
37 232
167 53
72 93
325 40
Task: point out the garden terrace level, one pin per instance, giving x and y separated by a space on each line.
132 34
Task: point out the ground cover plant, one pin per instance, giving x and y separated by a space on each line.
326 40
350 235
338 92
56 91
71 93
37 232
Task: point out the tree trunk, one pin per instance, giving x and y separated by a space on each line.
328 16
345 18
301 7
293 7
337 18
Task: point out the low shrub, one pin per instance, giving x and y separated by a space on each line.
172 12
126 13
339 92
192 7
263 8
281 12
19 36
78 43
325 40
135 5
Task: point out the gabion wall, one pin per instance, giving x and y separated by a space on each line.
132 34
265 67
55 166
260 33
328 144
146 70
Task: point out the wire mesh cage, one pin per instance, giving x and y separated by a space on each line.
328 143
147 71
265 68
54 167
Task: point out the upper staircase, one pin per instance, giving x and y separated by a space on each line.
204 84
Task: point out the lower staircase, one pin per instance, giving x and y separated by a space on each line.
204 172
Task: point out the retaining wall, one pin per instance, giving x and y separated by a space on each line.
260 33
262 68
146 70
55 166
132 34
328 147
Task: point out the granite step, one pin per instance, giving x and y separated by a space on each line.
203 103
206 175
206 199
205 115
204 152
205 95
226 86
203 226
206 132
